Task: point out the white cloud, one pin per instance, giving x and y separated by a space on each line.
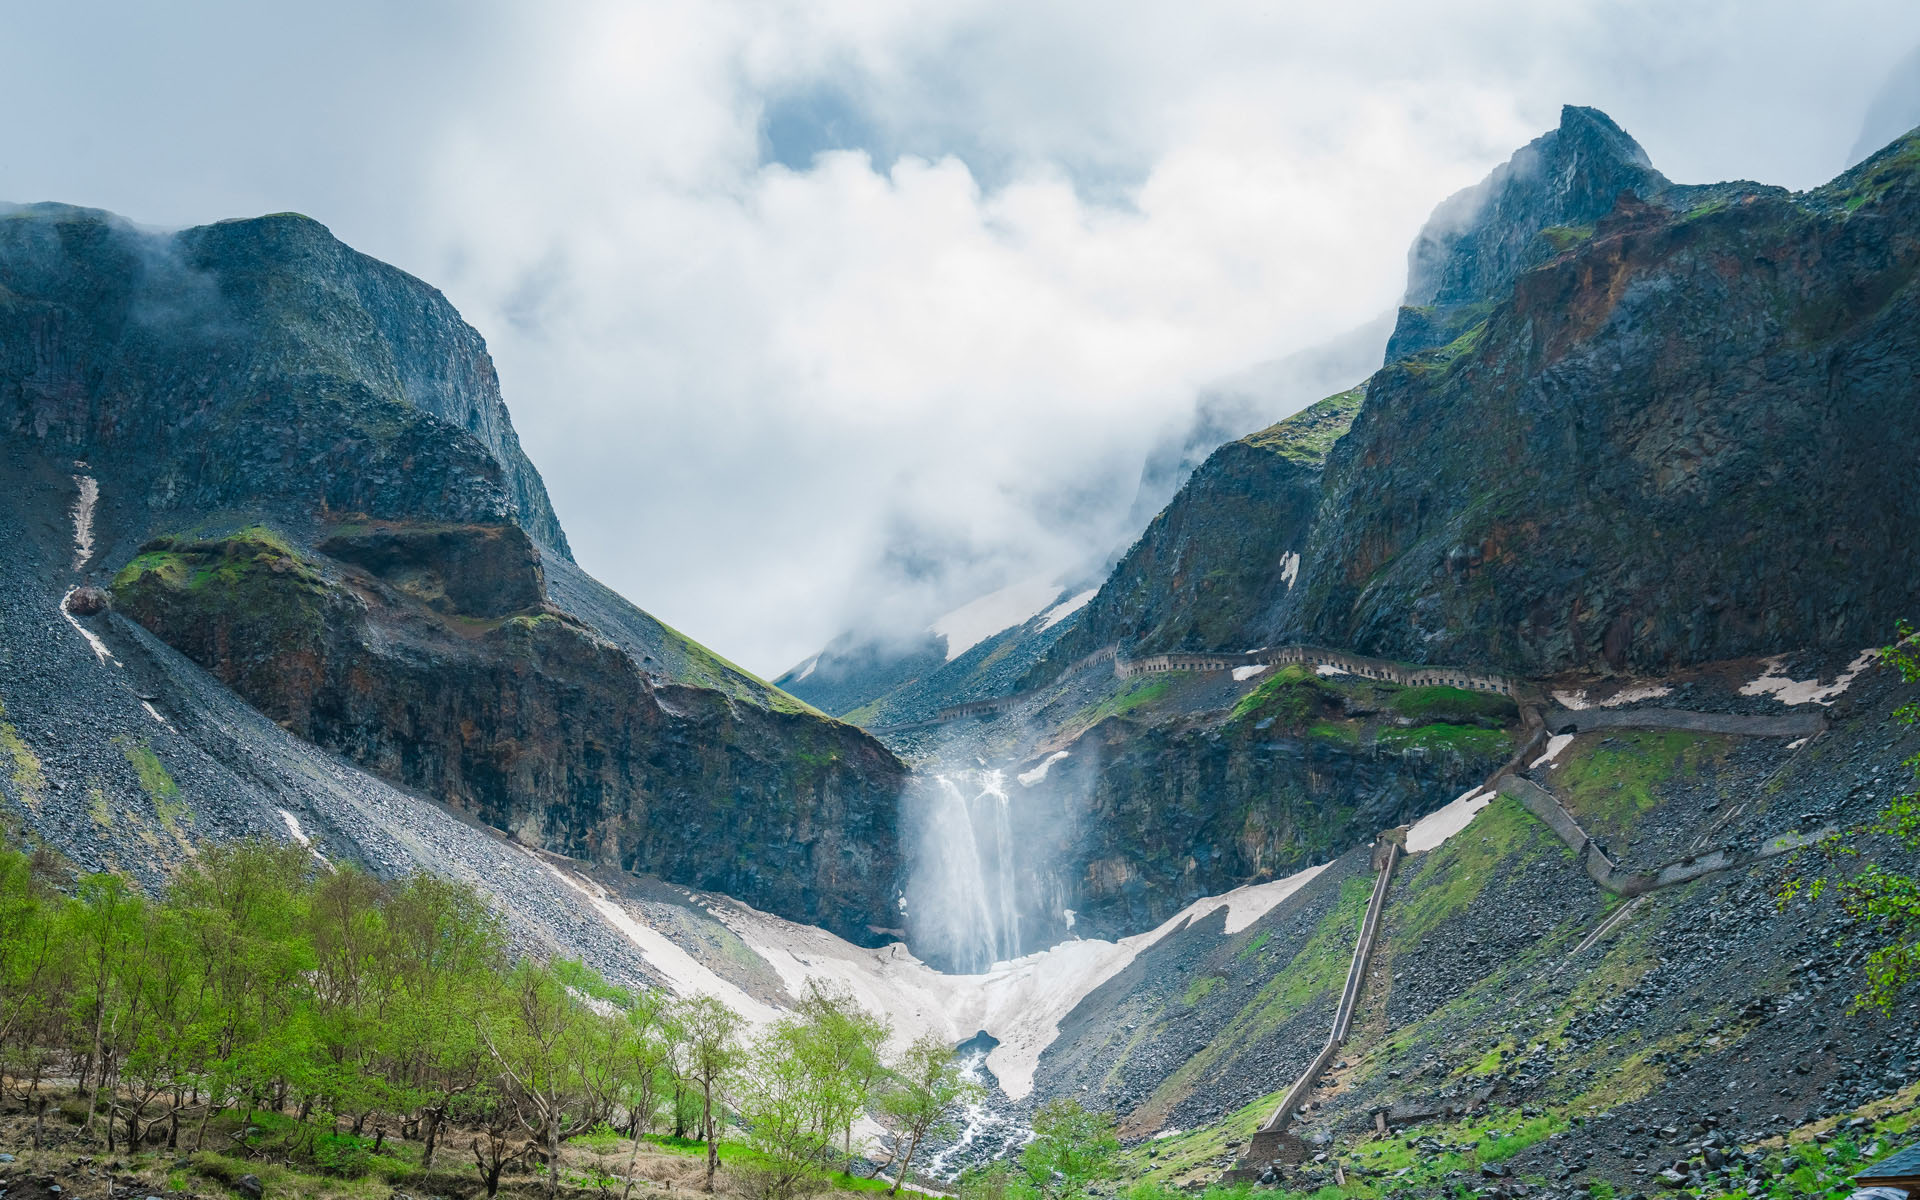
770 399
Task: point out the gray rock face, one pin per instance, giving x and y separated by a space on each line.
254 364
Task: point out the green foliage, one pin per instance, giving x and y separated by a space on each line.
1886 901
1071 1148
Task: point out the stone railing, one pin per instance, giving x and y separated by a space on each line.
1386 670
1272 1142
1603 870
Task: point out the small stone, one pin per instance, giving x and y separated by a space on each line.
250 1187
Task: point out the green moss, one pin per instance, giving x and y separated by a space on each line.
97 810
1874 178
1308 435
1345 733
1469 741
1201 987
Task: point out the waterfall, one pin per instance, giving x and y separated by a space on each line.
962 896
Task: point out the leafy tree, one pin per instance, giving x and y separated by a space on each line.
839 1044
711 1034
531 1037
1885 899
930 1088
1070 1149
779 1099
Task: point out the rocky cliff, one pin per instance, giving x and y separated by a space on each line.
1671 435
307 481
1680 439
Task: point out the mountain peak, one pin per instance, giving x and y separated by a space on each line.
1478 240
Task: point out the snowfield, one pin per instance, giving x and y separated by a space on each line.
1020 1003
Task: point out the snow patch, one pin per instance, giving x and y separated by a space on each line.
1289 568
1021 1003
1442 823
1330 669
83 506
1242 674
808 669
100 650
1555 744
974 622
1577 701
1067 608
686 975
300 835
1029 778
154 713
1773 681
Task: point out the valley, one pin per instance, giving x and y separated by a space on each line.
1492 714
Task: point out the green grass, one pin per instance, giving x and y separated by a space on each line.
1453 876
1452 704
1565 237
1319 968
1610 785
28 777
1469 741
1345 733
1289 695
155 782
1308 436
1137 694
1201 987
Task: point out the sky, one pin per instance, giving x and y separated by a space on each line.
840 313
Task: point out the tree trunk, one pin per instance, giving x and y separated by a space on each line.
553 1151
905 1165
706 1124
432 1134
633 1159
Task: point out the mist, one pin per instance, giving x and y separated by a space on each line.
836 315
